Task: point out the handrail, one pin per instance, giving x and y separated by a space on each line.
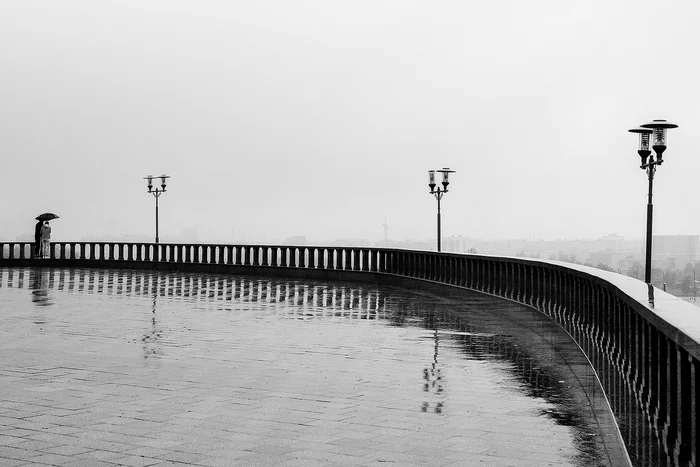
650 353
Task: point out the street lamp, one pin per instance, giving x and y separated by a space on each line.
439 193
656 132
156 193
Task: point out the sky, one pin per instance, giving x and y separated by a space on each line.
321 118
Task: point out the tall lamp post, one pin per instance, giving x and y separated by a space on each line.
439 193
156 193
656 132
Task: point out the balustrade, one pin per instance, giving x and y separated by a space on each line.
647 365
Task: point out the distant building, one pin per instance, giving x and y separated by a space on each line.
613 242
601 257
674 251
457 244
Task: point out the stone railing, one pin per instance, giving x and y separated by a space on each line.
646 357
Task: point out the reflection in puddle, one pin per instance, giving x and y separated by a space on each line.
450 347
40 282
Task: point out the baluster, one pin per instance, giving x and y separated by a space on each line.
294 257
238 253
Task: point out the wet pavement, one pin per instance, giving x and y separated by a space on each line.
104 368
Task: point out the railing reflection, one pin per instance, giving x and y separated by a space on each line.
310 301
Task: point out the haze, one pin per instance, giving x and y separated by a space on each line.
321 118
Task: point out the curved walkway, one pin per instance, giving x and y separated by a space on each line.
104 368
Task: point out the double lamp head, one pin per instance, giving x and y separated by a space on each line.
445 179
150 182
653 133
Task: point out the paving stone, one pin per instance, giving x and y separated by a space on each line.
288 373
51 459
136 461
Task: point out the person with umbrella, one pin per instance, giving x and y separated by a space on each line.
45 239
37 238
38 244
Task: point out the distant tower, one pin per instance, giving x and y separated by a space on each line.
386 233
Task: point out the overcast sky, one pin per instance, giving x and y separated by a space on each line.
321 118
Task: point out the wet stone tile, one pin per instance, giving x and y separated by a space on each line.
138 368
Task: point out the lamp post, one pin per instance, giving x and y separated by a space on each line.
439 193
156 193
656 132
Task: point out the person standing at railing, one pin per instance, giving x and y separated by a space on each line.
37 238
45 239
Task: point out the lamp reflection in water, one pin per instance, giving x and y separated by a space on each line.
152 335
432 376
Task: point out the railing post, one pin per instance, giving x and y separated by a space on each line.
687 396
254 256
21 251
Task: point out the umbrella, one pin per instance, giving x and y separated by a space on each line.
47 216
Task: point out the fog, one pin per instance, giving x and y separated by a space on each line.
322 118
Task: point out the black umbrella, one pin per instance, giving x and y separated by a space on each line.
47 216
